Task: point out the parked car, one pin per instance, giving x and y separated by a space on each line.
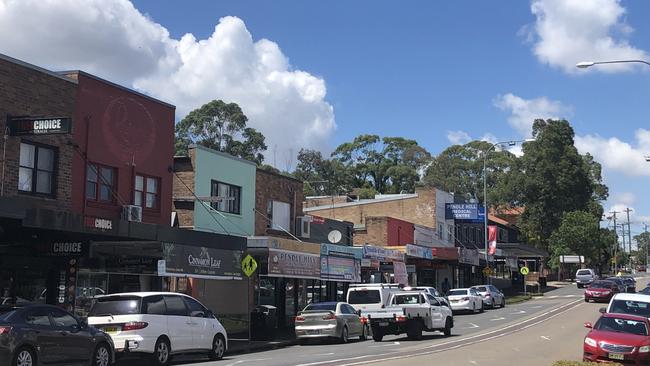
465 299
491 295
630 282
330 320
411 312
601 290
369 297
618 338
585 277
641 268
645 291
622 285
159 324
633 304
41 334
431 291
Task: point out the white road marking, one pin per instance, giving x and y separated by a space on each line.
569 295
545 337
251 360
519 312
473 362
472 326
536 307
495 319
323 354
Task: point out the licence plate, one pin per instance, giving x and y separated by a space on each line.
313 331
383 324
617 356
110 329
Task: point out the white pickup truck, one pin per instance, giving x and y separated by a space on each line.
411 312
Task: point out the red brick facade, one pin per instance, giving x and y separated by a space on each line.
277 187
26 90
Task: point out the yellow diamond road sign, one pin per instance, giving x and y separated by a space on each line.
524 271
249 265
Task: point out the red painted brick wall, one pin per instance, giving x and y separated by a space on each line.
400 232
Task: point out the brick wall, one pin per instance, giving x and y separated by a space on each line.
420 210
182 180
323 201
26 90
374 233
273 186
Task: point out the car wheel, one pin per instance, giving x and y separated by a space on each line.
102 356
482 308
377 335
344 334
503 302
25 357
414 330
447 330
218 348
161 352
579 285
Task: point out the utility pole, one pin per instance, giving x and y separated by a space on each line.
629 233
616 240
645 230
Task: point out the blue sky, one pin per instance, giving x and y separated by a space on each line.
438 72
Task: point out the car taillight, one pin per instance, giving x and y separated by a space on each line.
300 319
134 326
400 318
5 330
364 320
329 317
465 299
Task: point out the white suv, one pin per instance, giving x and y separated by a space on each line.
159 324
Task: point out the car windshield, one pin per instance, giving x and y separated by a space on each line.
457 292
321 307
583 272
622 325
6 314
639 308
364 297
601 284
116 305
481 289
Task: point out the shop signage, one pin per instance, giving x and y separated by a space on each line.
341 250
370 263
401 275
445 253
468 256
201 262
335 268
418 251
21 126
63 249
464 212
98 223
317 220
382 254
284 263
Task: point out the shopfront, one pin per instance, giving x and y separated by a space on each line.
469 272
382 265
445 263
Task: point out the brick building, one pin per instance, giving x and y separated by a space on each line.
385 231
278 204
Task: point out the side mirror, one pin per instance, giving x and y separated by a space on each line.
359 312
588 325
602 310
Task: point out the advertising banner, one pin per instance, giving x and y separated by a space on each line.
418 251
334 268
445 253
382 254
468 256
471 212
200 262
284 263
492 239
23 126
401 275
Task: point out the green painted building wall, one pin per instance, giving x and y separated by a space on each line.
214 165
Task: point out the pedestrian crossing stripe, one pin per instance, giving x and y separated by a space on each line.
248 265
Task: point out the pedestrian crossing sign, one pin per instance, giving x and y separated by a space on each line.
524 271
249 265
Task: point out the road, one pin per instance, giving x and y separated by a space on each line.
538 331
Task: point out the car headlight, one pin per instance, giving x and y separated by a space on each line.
590 342
644 349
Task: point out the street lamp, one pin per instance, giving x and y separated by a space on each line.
586 64
485 216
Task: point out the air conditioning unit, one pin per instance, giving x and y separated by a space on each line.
132 213
303 224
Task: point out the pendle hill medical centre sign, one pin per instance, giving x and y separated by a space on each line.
464 211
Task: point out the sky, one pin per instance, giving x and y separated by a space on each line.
316 74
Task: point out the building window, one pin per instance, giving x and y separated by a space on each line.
100 183
147 192
36 171
279 215
230 197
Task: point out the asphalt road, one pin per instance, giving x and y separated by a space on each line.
539 331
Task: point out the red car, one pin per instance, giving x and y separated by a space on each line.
619 338
601 290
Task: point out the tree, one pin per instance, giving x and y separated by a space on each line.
220 126
321 176
555 180
459 169
389 165
579 233
643 244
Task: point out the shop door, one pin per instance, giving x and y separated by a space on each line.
28 280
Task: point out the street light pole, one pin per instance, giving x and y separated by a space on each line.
485 200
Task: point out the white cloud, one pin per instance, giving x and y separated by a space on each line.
570 31
625 198
523 112
112 39
618 155
458 137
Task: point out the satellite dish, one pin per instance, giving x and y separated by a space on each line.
334 236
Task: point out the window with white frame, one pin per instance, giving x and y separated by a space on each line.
231 197
279 215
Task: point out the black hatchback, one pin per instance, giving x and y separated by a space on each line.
34 335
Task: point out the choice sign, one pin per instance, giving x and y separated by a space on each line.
20 126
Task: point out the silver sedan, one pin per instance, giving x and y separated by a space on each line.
330 320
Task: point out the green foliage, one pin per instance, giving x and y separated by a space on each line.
321 176
580 234
389 165
643 244
220 126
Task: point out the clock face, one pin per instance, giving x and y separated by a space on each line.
334 236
